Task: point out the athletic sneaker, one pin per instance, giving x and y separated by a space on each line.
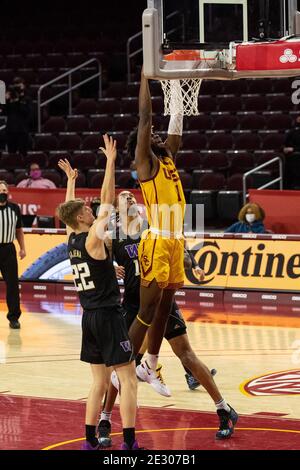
88 446
104 430
135 446
154 378
227 422
114 380
194 383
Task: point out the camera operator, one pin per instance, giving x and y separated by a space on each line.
18 109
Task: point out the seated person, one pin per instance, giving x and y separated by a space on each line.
35 179
133 182
251 218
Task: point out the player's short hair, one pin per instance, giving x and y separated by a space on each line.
5 183
68 211
131 143
257 210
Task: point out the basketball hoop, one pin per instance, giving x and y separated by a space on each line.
181 95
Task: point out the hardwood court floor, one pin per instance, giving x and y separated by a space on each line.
43 383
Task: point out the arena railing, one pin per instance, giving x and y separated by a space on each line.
71 87
139 36
264 186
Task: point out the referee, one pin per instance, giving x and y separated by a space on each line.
10 228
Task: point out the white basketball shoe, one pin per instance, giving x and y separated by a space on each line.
153 377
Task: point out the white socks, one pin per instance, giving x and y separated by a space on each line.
152 360
222 405
105 416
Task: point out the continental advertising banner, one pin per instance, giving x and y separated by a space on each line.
248 263
237 263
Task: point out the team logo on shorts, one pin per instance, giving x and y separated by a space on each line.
146 260
278 383
126 346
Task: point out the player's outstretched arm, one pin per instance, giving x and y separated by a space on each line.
97 233
143 154
72 175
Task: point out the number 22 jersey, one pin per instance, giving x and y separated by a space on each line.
95 280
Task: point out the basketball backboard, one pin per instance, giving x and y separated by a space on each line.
214 28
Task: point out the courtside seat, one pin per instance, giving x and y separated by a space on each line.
117 90
55 60
78 123
69 141
125 122
122 178
129 105
229 103
229 204
54 124
10 161
45 142
208 200
235 182
241 163
251 121
272 140
218 140
235 87
34 61
87 106
57 155
95 178
276 120
255 102
102 123
210 181
259 85
54 176
206 104
194 141
91 141
84 160
212 87
246 140
282 85
216 161
280 102
200 122
225 121
80 181
188 160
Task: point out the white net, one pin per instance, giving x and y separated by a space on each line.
181 96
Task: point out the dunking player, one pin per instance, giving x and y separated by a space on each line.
105 341
125 251
161 251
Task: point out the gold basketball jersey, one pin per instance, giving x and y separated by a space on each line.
164 199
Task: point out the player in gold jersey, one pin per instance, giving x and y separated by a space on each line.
161 250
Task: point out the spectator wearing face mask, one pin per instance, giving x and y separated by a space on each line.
251 218
36 179
133 182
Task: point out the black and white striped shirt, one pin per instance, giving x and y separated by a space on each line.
10 220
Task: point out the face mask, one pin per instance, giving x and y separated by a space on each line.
134 174
3 197
35 174
250 218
